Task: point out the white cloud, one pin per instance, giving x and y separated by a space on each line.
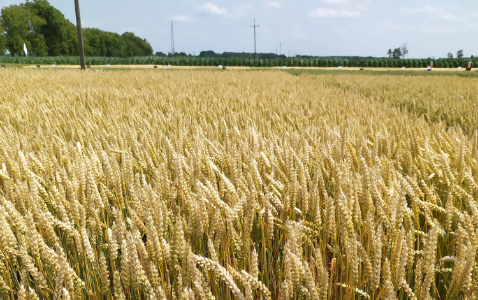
431 12
390 26
234 12
212 9
273 4
335 1
341 31
181 18
419 10
243 8
331 13
240 10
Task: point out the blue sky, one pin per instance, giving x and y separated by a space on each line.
309 27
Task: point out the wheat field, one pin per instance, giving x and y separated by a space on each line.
442 98
229 185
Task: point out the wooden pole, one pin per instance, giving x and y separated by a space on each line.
80 35
255 26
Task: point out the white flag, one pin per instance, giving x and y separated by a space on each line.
25 49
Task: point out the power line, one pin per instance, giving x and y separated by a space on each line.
255 26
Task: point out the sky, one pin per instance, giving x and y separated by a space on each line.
430 28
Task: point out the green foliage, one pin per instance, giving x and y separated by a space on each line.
101 43
98 53
59 33
21 27
46 32
135 46
399 52
212 54
207 53
38 44
3 39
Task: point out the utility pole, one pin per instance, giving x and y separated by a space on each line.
172 38
255 26
280 48
80 35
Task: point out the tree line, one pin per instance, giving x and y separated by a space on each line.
210 53
46 32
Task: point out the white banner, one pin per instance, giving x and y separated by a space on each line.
25 49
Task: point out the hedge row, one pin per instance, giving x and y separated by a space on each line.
291 62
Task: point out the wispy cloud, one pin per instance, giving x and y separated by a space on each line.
181 18
231 12
212 9
273 4
331 13
242 8
335 1
387 26
419 10
431 12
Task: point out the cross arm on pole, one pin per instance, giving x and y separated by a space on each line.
255 26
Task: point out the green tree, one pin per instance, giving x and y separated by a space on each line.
58 32
404 50
135 46
3 39
21 27
113 45
397 53
101 43
37 44
459 54
209 53
94 42
45 31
